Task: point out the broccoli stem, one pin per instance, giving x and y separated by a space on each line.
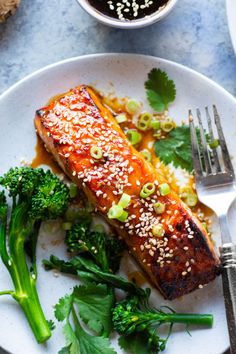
30 304
26 295
7 292
160 318
24 281
196 319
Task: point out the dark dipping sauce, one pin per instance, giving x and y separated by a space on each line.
128 9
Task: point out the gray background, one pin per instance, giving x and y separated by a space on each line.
42 32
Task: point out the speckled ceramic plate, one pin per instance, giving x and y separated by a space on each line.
231 14
124 74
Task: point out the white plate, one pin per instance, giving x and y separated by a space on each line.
231 14
124 74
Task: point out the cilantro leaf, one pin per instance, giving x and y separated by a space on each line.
63 308
95 303
160 90
78 341
65 350
176 148
51 324
92 344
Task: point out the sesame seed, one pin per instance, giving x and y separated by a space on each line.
151 253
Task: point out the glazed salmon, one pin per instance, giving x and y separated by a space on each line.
179 259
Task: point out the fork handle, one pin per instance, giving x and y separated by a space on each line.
228 259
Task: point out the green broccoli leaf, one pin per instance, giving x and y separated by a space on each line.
160 90
145 342
176 148
90 272
95 303
136 343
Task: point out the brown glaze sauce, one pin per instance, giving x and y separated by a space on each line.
43 157
137 277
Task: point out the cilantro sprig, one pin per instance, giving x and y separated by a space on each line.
176 148
93 303
160 90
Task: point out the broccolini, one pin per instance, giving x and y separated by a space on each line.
37 195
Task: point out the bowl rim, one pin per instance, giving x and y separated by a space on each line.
113 22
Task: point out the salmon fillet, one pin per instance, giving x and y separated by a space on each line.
183 259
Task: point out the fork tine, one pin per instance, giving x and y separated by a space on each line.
197 164
225 152
215 154
206 156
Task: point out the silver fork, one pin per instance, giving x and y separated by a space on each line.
216 188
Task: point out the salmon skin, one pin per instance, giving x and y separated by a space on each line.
183 258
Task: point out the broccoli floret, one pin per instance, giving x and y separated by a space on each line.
132 316
3 208
21 181
50 198
37 195
115 251
106 252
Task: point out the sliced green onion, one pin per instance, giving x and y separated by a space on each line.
147 155
184 192
156 124
191 199
147 190
124 200
134 136
66 226
157 133
214 144
73 190
158 230
204 224
132 106
159 207
96 152
167 126
144 122
121 118
164 189
123 216
115 212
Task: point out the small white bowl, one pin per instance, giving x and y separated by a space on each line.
129 24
